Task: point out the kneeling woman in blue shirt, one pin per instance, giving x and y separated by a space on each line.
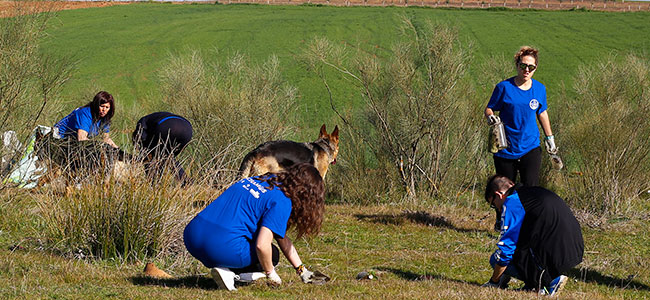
233 234
89 120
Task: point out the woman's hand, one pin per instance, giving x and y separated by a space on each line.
493 119
305 275
108 140
549 142
82 135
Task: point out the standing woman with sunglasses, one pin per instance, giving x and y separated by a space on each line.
521 103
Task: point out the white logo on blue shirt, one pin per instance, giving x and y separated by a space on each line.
534 104
251 185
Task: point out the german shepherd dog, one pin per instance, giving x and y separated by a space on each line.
275 156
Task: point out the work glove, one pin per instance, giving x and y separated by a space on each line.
491 284
273 278
307 276
549 141
493 119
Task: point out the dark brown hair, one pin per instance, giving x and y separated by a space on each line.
99 99
496 183
525 51
304 186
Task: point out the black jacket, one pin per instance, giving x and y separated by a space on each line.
550 241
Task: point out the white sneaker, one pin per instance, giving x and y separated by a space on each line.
224 278
250 277
555 287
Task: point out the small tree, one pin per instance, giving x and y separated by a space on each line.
609 135
233 106
416 106
29 80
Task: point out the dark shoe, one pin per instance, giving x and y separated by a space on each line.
503 281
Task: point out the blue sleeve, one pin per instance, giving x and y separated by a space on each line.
496 101
277 214
83 120
542 98
511 220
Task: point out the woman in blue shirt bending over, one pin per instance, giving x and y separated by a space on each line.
233 234
521 102
89 120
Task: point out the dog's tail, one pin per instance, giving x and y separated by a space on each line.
246 165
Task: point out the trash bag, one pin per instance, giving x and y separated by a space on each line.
28 169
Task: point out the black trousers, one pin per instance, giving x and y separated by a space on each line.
166 141
527 166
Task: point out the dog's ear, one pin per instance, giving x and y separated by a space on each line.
323 132
335 134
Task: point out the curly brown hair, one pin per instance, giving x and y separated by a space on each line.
526 51
304 186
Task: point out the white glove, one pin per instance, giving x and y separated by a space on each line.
490 284
493 119
273 278
550 145
306 275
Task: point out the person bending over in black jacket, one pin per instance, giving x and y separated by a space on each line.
540 237
163 135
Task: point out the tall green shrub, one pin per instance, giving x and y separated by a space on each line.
417 118
609 134
233 106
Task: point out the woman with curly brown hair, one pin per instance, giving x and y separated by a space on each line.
233 235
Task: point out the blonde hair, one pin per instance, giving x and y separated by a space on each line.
525 51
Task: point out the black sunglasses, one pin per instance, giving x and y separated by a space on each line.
523 66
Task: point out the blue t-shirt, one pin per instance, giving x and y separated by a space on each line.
518 112
511 219
80 118
242 210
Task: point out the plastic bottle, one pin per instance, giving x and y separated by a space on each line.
499 132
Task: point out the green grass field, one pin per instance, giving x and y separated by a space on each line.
121 48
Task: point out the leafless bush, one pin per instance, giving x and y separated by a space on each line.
29 80
609 135
416 105
233 106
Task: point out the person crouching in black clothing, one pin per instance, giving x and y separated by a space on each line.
540 237
164 136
